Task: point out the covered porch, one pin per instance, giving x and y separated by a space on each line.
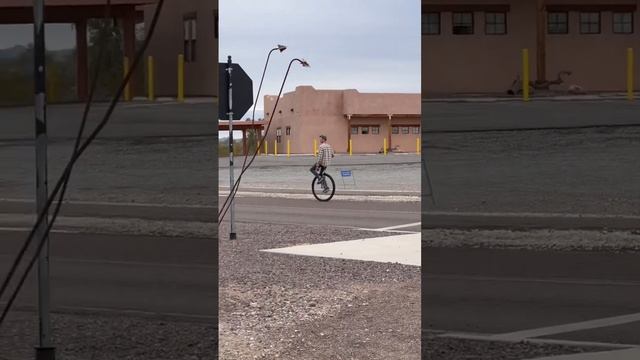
244 126
78 12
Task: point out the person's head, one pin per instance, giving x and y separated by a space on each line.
323 139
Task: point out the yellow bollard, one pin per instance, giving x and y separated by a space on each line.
630 84
127 89
315 147
180 78
275 147
525 74
418 145
384 146
288 148
350 147
150 79
266 147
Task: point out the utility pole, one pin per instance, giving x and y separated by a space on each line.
45 350
232 232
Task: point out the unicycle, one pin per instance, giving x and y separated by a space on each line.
323 188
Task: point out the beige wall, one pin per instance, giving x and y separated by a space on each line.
201 76
310 112
482 63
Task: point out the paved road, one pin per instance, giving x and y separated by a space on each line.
456 116
524 221
372 215
116 271
502 291
128 121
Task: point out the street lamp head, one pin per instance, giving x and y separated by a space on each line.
304 63
281 47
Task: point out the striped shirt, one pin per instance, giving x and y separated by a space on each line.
325 153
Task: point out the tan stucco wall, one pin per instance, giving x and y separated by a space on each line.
201 76
482 63
326 112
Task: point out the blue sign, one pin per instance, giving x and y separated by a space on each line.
345 173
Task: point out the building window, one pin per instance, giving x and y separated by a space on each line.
279 139
190 34
623 23
415 129
405 130
354 130
462 23
375 130
495 23
431 23
558 23
364 130
590 23
395 130
279 132
288 131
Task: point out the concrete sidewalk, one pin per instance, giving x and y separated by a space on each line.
629 354
400 249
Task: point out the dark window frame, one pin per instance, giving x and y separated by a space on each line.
362 130
189 22
402 130
375 129
455 24
439 24
565 23
414 131
590 23
487 23
614 23
395 130
354 130
287 131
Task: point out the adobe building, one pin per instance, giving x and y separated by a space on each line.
475 46
343 115
190 28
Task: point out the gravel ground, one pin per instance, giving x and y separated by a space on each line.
106 337
441 348
561 171
154 170
562 240
295 307
400 172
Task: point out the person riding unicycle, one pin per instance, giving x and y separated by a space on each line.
325 153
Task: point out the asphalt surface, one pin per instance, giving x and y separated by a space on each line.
114 271
489 291
509 115
370 215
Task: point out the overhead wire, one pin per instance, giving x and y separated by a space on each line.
233 191
63 180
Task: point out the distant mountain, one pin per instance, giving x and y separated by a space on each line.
12 52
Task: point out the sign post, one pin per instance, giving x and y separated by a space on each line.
45 350
243 100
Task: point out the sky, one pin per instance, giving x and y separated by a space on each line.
368 45
58 36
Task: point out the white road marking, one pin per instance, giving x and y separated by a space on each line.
107 203
381 198
401 249
628 354
491 337
28 229
398 226
127 263
565 328
116 311
532 215
559 281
